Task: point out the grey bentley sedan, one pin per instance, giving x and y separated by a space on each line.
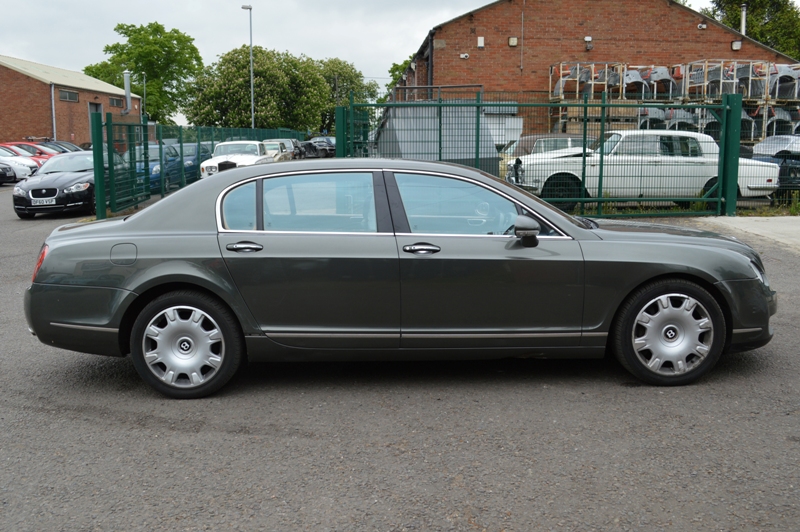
354 259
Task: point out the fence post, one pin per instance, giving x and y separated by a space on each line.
478 130
732 104
99 167
439 116
602 154
180 143
110 151
341 131
583 157
161 165
351 126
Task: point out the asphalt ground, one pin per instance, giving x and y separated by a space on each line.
501 445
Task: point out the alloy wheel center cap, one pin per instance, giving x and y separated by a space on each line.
671 334
185 346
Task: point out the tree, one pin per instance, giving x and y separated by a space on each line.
169 61
343 78
775 23
289 91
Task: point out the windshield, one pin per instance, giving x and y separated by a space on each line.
272 146
152 153
607 144
509 147
236 149
68 163
5 152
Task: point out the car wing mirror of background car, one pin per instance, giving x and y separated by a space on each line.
527 230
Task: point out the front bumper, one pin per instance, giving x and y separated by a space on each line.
752 304
63 202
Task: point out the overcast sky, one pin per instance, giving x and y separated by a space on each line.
371 34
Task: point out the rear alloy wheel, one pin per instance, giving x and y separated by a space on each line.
670 332
562 187
186 345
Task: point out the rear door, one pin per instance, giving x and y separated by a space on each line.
314 257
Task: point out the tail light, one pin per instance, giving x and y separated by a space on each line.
39 261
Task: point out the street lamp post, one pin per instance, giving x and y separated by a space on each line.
252 96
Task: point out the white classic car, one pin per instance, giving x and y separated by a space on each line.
638 164
235 153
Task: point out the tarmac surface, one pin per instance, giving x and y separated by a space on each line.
782 229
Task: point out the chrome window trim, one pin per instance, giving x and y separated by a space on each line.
222 194
487 187
316 233
84 327
452 235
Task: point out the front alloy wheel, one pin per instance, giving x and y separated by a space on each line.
186 345
670 332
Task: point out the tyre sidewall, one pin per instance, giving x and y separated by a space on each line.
228 326
623 331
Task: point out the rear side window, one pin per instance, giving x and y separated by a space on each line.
325 202
239 208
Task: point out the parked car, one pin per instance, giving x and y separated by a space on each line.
291 144
33 150
310 150
171 166
22 166
192 161
389 259
7 174
277 150
540 143
68 145
64 183
39 159
638 163
325 148
783 150
233 154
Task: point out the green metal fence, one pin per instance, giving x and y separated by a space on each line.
154 159
603 157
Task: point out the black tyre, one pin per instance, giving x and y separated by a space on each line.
561 186
186 344
670 332
25 215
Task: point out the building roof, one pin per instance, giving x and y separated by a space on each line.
59 76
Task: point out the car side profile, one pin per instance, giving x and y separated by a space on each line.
638 163
357 259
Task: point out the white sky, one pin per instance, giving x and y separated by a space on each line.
371 34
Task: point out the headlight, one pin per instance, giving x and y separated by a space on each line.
77 187
19 192
188 163
156 169
761 275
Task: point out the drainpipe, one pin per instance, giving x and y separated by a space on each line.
744 19
53 107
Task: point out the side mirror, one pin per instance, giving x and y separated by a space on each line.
527 230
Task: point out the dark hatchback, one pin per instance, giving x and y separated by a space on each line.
65 182
361 259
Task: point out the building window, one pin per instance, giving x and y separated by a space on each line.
115 102
68 96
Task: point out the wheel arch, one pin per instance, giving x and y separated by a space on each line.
703 283
153 292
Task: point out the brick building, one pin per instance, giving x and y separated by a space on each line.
43 101
509 45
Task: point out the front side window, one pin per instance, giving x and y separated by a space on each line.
441 205
325 202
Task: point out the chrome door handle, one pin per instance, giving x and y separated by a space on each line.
422 249
244 247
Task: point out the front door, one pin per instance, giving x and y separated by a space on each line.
466 283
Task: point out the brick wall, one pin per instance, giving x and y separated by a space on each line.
25 109
640 32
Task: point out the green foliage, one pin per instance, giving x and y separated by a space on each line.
775 23
168 59
343 78
397 70
289 91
